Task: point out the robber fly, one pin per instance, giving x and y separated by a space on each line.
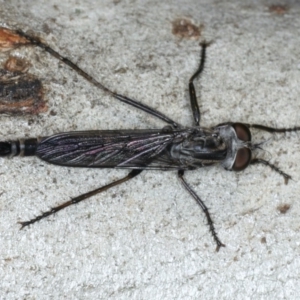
172 148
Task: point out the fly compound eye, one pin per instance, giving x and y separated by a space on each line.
242 159
242 132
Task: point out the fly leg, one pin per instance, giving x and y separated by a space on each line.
265 162
193 96
273 167
204 209
80 198
35 41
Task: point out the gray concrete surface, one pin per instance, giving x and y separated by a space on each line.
148 239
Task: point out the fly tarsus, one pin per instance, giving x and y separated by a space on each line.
38 218
219 244
213 231
211 226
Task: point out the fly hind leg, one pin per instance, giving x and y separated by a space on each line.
80 198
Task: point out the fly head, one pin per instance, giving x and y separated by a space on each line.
237 137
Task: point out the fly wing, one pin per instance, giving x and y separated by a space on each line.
109 148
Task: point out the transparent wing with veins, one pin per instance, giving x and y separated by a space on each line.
108 149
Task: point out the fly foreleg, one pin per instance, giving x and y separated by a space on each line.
265 162
273 167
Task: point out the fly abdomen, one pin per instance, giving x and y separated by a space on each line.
18 148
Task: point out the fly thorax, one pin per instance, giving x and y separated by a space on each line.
200 148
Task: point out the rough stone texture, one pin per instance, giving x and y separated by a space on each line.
148 239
